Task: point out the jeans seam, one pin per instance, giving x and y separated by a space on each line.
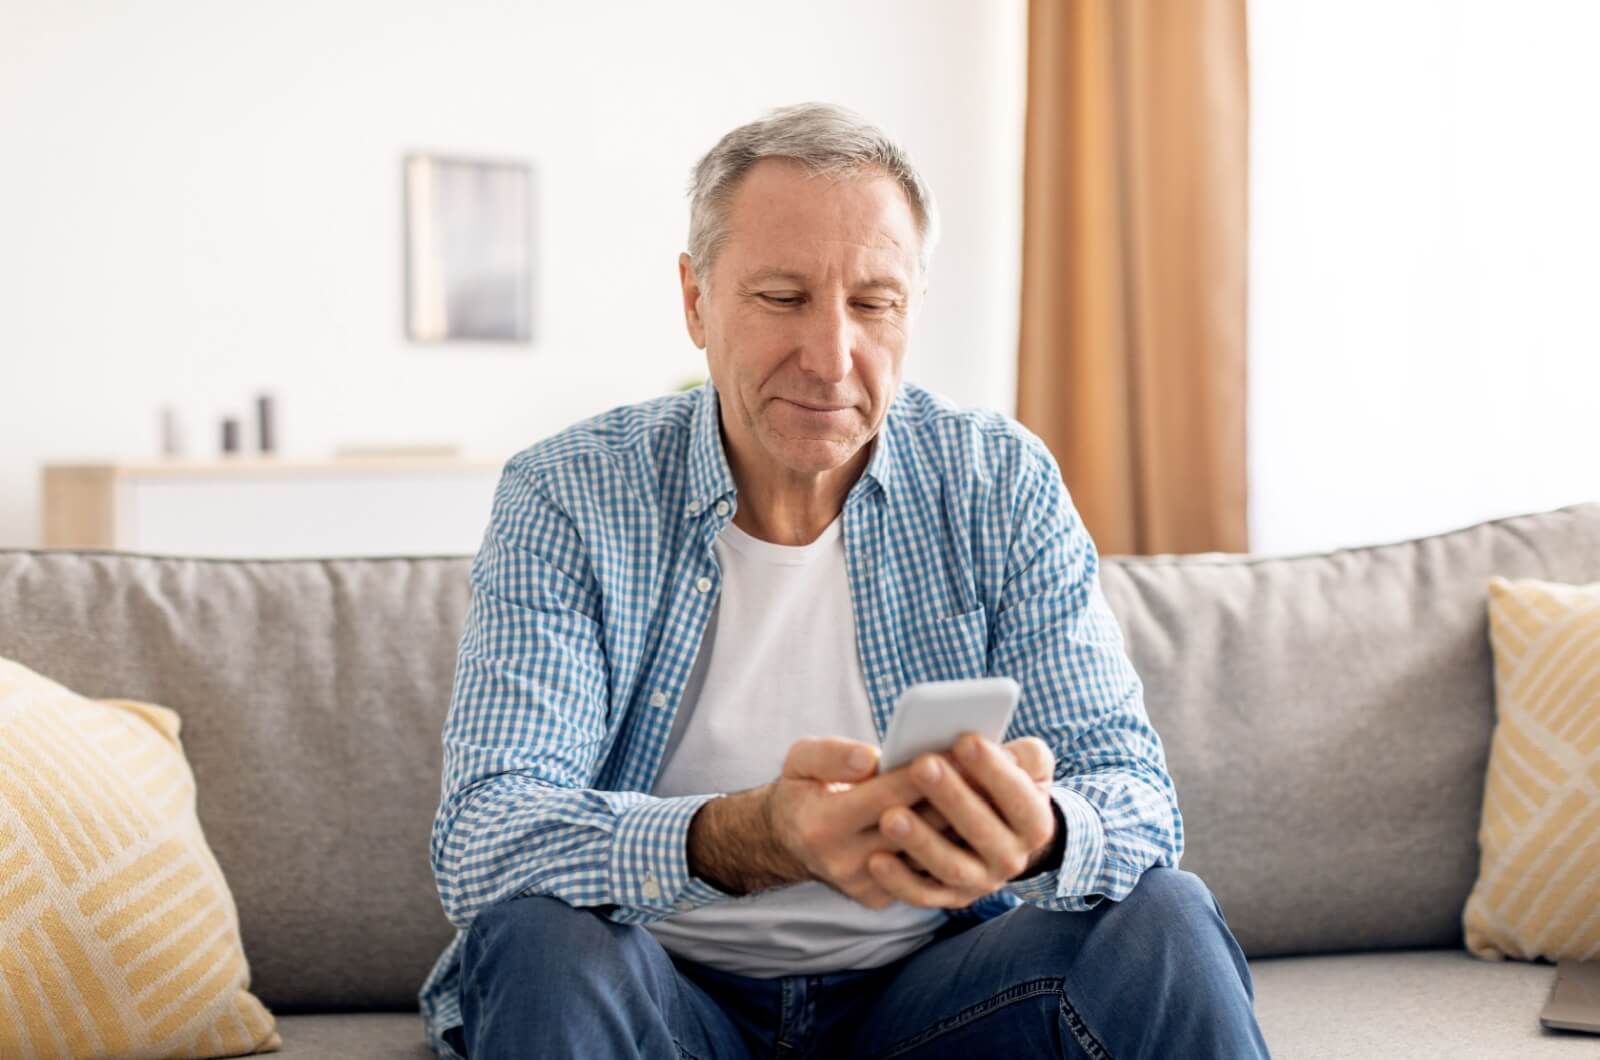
465 983
1080 1030
779 1041
1011 995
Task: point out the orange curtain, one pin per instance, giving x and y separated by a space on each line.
1132 358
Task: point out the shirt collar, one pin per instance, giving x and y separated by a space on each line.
880 466
710 479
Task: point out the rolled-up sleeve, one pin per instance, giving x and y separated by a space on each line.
1055 633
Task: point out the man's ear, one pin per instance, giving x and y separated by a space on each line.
691 301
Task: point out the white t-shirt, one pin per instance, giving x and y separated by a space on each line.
778 662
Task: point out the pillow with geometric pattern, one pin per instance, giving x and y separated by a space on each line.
1538 888
118 934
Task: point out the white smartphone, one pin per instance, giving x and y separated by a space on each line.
929 716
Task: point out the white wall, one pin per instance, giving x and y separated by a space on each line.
1425 265
200 200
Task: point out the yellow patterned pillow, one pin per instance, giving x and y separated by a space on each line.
1538 887
118 934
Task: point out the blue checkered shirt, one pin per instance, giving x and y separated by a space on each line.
593 585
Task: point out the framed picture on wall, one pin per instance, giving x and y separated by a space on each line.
469 250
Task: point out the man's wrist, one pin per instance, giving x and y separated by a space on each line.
1049 858
730 845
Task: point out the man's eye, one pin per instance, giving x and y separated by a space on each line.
794 300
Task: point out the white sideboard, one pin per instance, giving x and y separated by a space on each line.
269 507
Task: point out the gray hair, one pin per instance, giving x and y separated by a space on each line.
830 141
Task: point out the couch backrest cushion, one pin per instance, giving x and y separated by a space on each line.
1327 719
312 695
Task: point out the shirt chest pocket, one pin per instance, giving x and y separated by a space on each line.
947 648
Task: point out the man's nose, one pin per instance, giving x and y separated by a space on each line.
826 348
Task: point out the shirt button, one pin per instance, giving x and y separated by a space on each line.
723 508
658 699
652 890
693 508
703 584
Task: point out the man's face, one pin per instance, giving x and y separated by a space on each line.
808 315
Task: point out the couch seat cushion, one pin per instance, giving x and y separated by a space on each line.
1409 1003
353 1036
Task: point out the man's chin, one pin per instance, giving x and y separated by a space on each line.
814 456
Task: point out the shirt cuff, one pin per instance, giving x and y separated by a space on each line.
649 868
1068 887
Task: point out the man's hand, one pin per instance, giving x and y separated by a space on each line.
997 803
821 819
823 812
818 821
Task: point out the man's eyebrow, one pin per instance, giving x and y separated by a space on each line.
767 275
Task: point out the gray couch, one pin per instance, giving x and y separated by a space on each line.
1326 719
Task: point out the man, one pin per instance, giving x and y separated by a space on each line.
662 828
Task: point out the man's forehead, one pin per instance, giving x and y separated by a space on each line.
785 220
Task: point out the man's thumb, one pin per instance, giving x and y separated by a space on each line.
830 759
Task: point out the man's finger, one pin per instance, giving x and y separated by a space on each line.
935 819
869 895
1010 790
955 865
968 809
860 807
856 799
1033 757
1003 838
894 877
830 758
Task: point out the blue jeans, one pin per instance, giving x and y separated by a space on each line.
1158 974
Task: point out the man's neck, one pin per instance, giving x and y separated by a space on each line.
790 511
782 526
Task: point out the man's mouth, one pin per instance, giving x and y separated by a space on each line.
815 408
